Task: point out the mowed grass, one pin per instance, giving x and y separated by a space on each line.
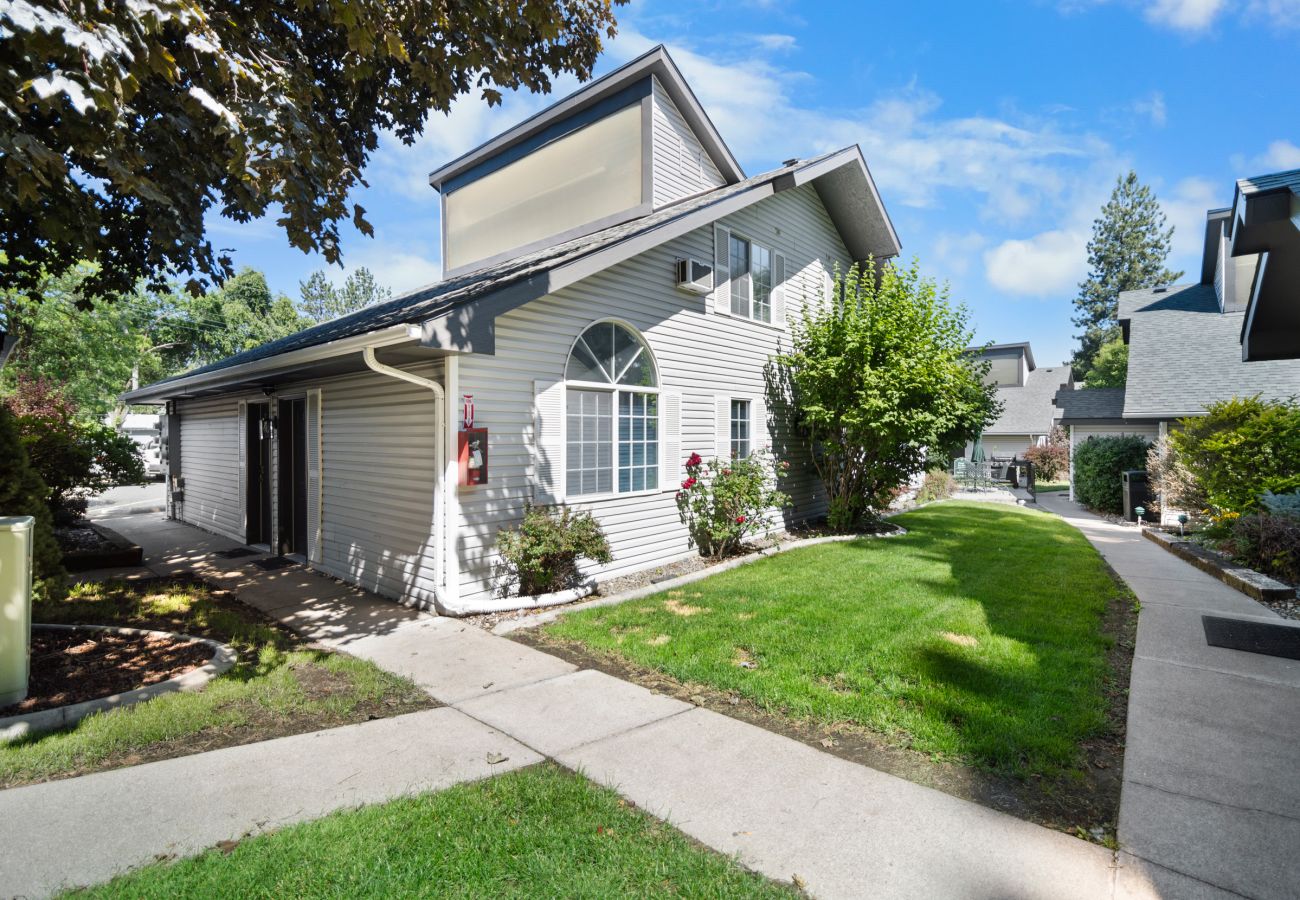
976 637
538 832
279 686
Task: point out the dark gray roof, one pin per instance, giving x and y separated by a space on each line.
1090 404
1029 409
1184 355
428 302
1275 181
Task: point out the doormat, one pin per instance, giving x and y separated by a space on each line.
1253 637
235 553
271 563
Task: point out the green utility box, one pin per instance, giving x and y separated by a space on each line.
17 534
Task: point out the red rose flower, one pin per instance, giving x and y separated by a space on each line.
693 460
688 483
740 520
726 471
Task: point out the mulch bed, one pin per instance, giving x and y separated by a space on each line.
73 666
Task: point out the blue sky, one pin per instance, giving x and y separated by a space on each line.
995 130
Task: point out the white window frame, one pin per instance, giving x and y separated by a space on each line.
615 390
748 421
749 299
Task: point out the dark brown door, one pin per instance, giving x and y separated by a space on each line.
258 480
293 477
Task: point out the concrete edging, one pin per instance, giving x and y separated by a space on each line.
1253 584
690 577
223 658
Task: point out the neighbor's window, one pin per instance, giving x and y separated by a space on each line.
751 280
739 428
610 376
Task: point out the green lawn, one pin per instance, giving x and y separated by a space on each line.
538 832
1045 487
977 637
280 686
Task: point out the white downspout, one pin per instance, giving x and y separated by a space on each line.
446 459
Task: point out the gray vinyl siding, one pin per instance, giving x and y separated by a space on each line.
379 479
379 471
681 166
698 354
210 465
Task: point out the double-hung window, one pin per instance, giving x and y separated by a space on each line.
740 429
612 414
751 280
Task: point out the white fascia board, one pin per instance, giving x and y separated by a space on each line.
289 360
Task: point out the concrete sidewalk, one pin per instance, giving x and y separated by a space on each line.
782 808
1211 797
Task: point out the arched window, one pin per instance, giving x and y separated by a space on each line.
612 407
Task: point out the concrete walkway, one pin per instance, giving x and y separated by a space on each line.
1211 797
784 809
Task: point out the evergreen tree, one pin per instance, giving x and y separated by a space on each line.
320 301
1110 366
1129 246
316 297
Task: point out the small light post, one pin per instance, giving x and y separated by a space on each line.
1141 511
1182 521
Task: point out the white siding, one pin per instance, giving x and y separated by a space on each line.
681 167
210 465
699 354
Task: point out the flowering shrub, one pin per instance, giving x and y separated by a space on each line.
1051 460
724 501
936 485
542 552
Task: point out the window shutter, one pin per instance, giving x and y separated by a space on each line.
314 479
760 437
721 269
722 432
548 441
242 500
670 440
778 290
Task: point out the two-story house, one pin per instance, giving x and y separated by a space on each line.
1025 392
614 287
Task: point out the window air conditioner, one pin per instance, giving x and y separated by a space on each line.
694 276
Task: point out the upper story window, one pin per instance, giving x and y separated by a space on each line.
751 280
612 413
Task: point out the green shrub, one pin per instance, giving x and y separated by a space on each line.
1098 462
1281 504
936 485
22 493
1241 448
724 501
1268 542
542 552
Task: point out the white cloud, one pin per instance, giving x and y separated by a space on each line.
953 253
1185 207
1152 107
1047 264
1185 15
1279 156
776 42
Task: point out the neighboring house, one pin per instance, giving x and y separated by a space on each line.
1026 393
1185 348
615 287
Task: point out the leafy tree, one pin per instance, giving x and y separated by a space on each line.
320 301
127 123
241 315
75 458
875 377
22 493
1110 367
1239 449
1052 459
1129 246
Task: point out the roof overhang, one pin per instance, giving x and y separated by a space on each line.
335 358
656 62
1268 224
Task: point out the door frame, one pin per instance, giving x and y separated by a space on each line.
259 460
291 507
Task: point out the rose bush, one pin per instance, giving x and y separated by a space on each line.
722 502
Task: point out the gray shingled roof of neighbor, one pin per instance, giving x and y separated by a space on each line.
1029 409
1184 355
440 297
1090 404
1272 182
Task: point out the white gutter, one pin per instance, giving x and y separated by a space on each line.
290 359
444 524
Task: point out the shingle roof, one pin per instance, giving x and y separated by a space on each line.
430 301
1184 355
1272 182
1088 404
1029 409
